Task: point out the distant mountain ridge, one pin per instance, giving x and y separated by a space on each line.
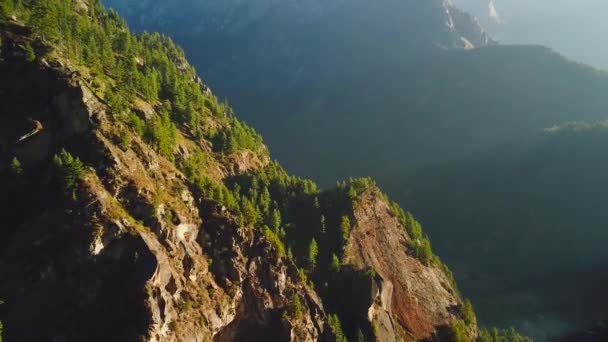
204 17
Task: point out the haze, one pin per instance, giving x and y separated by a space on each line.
575 28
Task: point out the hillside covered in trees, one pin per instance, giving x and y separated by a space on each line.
136 206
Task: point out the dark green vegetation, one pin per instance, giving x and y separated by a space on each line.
307 225
402 104
526 201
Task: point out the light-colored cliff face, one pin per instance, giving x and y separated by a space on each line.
411 300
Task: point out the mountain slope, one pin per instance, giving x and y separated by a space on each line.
136 206
541 202
332 74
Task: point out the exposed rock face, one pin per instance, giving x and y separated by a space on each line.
408 296
469 28
135 255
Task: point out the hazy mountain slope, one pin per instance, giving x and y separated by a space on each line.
530 234
327 78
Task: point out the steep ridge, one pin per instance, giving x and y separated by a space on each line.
126 250
135 206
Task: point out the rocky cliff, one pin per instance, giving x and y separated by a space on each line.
134 254
409 296
128 216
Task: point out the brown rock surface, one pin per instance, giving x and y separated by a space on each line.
412 297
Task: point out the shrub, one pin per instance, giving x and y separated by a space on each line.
296 310
274 240
125 140
468 313
336 327
30 54
458 332
15 169
423 251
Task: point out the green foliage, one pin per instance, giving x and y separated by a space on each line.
67 170
335 264
163 134
508 335
30 54
345 228
296 309
423 251
468 313
149 67
16 170
137 124
7 7
274 240
237 137
458 332
336 327
313 252
124 139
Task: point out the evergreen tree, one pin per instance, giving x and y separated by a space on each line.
345 228
336 327
45 18
16 169
335 264
313 252
67 171
323 228
275 220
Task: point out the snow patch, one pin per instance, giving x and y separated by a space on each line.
493 13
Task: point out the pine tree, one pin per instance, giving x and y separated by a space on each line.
335 264
323 228
16 169
345 228
275 220
313 252
45 18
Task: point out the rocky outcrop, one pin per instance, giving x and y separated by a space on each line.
409 300
134 254
470 29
